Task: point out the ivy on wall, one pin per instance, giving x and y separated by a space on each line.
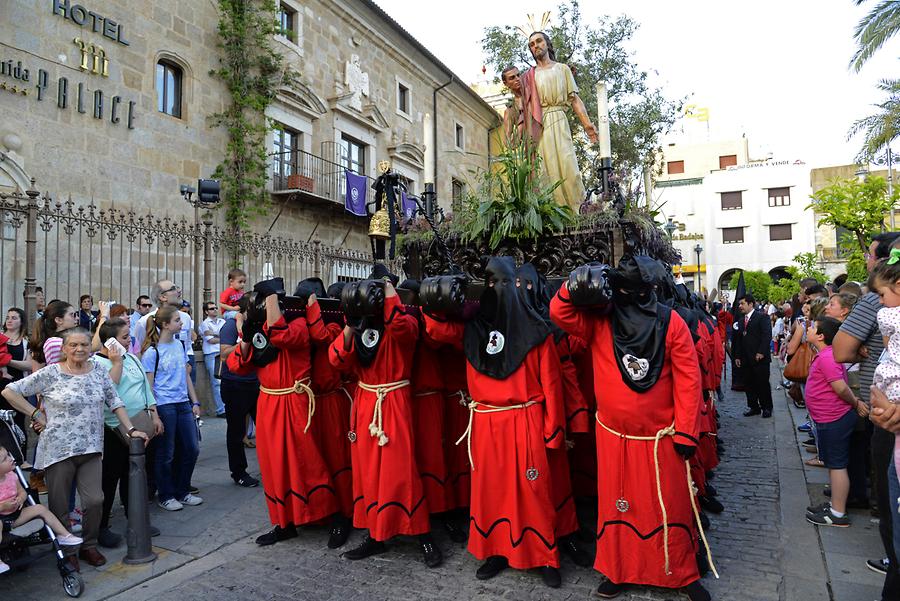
252 71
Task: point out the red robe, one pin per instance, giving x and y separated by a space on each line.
456 418
332 419
513 512
428 413
387 490
296 479
630 545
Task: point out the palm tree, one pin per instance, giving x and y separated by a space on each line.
882 127
876 28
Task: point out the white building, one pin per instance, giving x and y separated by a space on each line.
743 214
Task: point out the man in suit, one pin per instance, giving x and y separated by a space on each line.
751 345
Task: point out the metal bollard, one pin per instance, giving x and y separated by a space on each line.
140 549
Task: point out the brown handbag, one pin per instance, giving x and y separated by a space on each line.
797 369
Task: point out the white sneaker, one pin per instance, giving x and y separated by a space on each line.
69 540
171 505
3 567
191 500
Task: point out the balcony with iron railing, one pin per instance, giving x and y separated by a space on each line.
297 172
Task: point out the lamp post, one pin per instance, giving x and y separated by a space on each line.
698 249
670 227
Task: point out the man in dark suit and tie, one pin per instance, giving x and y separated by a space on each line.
751 345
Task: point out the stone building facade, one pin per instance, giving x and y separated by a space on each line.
110 101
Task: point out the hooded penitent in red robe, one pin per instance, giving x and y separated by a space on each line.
387 490
631 530
295 475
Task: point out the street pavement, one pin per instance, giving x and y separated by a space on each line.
762 545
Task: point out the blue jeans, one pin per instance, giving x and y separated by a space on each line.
193 369
894 492
173 480
215 383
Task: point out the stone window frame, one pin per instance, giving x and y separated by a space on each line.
459 128
399 81
187 79
294 45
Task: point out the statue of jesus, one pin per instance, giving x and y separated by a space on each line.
547 90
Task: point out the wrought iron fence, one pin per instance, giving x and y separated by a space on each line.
69 249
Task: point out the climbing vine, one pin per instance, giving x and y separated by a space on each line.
252 71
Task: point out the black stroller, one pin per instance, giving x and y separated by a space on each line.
16 546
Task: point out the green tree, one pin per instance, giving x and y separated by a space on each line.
856 266
639 113
783 291
878 26
757 283
881 128
807 268
857 206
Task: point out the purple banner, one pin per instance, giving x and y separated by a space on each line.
355 200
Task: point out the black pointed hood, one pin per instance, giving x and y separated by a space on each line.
535 289
640 323
505 328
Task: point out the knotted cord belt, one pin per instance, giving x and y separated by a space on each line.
381 391
667 431
473 409
300 386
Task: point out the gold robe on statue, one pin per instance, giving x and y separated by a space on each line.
555 88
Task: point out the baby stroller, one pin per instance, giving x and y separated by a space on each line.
15 548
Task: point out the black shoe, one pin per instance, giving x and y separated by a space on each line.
809 442
109 539
814 509
247 481
490 568
193 490
710 491
340 531
367 548
276 535
711 504
702 561
431 553
696 592
551 577
750 412
609 589
456 534
579 557
766 414
709 475
878 565
704 521
154 531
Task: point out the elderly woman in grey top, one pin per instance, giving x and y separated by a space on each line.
74 393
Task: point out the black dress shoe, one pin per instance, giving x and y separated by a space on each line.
709 475
490 568
578 556
750 412
154 531
109 539
704 521
276 535
710 491
609 589
711 504
551 577
340 532
247 481
456 534
431 553
766 413
367 548
696 592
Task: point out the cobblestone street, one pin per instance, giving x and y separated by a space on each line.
762 546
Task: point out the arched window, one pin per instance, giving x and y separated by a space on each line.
168 88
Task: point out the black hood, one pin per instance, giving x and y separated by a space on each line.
639 322
538 295
380 271
505 328
334 291
311 286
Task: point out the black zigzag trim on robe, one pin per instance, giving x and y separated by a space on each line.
554 434
688 436
649 535
291 492
455 479
514 542
433 477
575 413
564 501
393 314
340 471
408 512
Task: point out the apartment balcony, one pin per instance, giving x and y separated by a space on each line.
307 178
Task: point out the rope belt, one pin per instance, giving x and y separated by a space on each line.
667 431
300 386
381 391
473 409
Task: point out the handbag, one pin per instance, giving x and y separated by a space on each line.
142 420
797 369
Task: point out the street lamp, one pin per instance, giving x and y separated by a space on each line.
670 227
698 249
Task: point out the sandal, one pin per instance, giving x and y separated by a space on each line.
249 443
814 462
